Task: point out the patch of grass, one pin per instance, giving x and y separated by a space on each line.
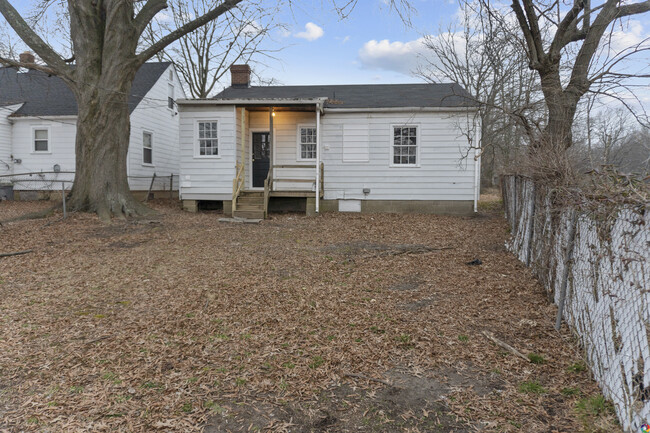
246 337
376 330
531 387
316 362
570 391
187 407
240 381
577 367
151 385
32 420
192 380
590 407
214 407
111 377
536 359
289 365
463 338
76 389
331 337
404 338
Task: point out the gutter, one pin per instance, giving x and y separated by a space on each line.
253 101
400 109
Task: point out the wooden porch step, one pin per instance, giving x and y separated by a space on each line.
251 214
250 207
249 193
250 200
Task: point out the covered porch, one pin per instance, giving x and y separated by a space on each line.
278 155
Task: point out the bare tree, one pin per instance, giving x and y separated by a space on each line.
204 56
105 38
570 50
489 64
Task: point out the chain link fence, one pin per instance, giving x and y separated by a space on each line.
35 188
597 270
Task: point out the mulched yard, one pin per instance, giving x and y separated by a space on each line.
336 323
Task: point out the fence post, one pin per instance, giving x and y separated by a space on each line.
171 186
153 178
65 212
565 274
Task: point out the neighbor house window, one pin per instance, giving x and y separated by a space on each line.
208 140
307 141
147 148
41 140
170 96
405 145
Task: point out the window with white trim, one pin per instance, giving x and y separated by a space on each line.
405 145
208 139
41 140
307 139
170 96
147 148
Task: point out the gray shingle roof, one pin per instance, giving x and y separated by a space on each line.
362 96
45 95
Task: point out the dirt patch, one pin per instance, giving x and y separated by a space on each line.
163 326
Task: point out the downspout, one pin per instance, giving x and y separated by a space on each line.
317 189
477 166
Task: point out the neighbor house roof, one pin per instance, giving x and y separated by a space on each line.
44 95
361 96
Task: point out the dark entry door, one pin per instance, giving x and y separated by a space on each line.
261 161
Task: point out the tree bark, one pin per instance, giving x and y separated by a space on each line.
102 142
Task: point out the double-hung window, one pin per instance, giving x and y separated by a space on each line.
208 138
41 140
170 96
307 140
405 145
147 148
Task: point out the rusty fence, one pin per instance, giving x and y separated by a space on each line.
597 271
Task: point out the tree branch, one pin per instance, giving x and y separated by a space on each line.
146 14
40 47
187 28
9 62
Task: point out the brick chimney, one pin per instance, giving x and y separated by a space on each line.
240 76
27 58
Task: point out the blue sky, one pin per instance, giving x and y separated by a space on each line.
369 46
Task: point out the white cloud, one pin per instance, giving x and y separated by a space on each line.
395 56
311 33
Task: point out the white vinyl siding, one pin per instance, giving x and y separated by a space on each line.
150 116
207 178
356 142
443 173
6 161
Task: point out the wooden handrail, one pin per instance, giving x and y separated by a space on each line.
237 184
294 166
268 186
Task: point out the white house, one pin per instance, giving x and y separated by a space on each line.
38 116
364 148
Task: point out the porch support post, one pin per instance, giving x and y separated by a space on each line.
271 150
317 189
243 141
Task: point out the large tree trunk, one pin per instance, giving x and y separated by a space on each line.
102 143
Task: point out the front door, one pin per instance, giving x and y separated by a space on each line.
261 161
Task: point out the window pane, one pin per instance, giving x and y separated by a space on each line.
40 134
146 139
412 131
40 146
147 156
412 159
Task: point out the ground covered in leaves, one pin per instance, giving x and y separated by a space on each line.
334 323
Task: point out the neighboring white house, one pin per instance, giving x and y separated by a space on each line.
393 148
38 116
